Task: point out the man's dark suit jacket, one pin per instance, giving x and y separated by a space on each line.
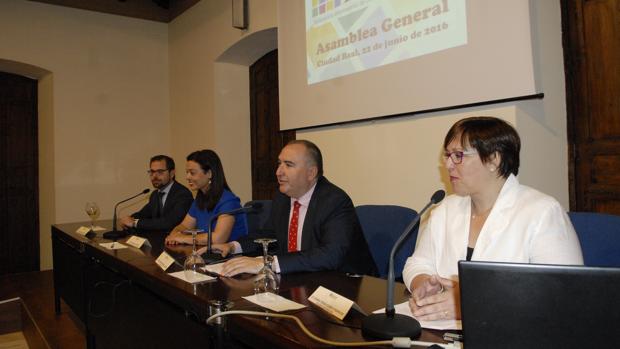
332 237
177 204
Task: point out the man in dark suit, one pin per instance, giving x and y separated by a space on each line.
313 221
167 205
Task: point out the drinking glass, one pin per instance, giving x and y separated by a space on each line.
193 263
92 210
267 282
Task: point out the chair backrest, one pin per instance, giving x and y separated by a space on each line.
599 236
382 225
257 218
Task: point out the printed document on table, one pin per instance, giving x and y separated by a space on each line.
196 278
274 302
403 308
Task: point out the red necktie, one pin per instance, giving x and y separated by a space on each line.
292 228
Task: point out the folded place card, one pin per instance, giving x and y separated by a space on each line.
112 245
274 302
82 231
137 242
164 260
85 230
331 302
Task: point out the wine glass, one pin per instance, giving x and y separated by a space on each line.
92 210
193 263
267 282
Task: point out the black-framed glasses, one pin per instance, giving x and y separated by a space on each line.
457 155
159 172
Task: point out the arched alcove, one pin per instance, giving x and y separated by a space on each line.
232 105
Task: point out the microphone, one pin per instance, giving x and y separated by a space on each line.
247 208
115 234
390 324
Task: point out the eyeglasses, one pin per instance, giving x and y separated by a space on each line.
457 155
159 172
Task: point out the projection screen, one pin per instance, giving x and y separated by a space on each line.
350 60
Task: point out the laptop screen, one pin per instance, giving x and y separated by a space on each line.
506 305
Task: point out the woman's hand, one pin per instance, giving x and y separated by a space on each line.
436 299
176 237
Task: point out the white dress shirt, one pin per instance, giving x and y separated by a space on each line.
304 201
524 226
165 190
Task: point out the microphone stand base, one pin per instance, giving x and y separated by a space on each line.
114 234
384 327
212 258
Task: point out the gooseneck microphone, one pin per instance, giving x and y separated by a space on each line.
117 234
247 208
390 324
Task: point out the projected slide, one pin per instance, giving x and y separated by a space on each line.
349 36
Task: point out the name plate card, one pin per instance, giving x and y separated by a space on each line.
82 231
137 241
331 302
112 245
164 261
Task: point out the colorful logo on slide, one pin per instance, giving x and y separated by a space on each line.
364 34
321 7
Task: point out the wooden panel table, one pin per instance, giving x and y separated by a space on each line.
126 301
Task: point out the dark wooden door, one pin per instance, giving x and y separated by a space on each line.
267 139
19 195
591 35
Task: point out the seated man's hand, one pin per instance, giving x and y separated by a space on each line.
251 265
223 249
126 222
437 299
176 237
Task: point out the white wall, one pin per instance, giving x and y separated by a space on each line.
104 108
120 90
398 161
210 96
394 161
542 123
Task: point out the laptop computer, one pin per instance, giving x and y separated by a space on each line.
506 305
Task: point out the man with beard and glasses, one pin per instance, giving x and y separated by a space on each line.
169 202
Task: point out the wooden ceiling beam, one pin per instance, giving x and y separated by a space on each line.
153 10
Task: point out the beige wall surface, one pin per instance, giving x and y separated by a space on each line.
123 89
104 105
209 95
398 161
394 161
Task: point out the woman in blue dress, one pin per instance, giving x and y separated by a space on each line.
205 175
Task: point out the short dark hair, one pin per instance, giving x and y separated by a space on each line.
167 159
209 161
489 135
314 153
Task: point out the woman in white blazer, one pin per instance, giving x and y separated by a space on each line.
490 217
